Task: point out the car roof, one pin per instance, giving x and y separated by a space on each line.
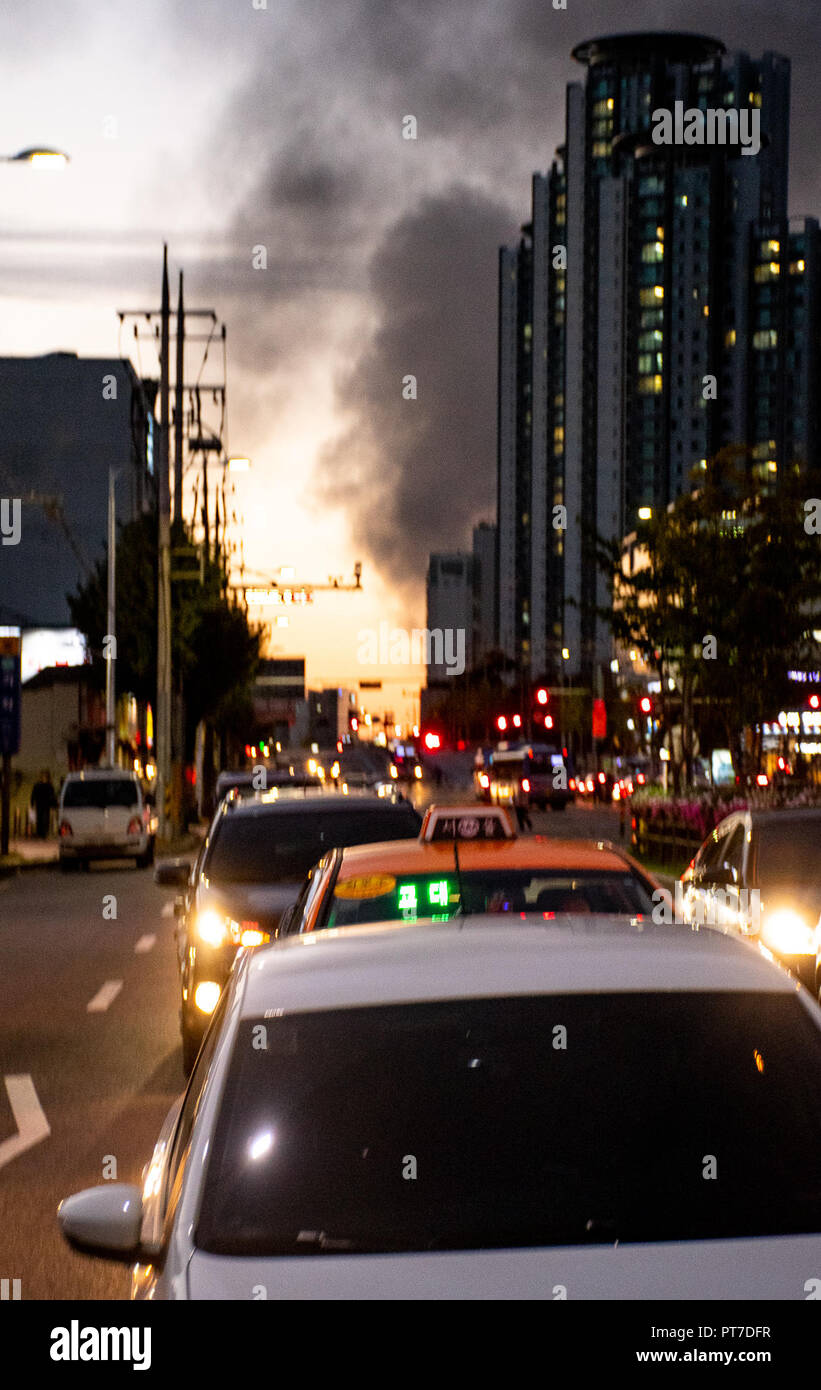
93 774
479 958
530 852
788 813
274 802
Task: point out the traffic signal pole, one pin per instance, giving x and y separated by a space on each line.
164 573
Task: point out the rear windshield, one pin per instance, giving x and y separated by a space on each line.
286 844
406 897
100 792
486 1123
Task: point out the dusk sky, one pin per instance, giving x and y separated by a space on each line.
234 127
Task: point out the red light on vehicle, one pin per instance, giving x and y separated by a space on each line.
548 721
815 701
641 779
572 784
501 723
601 777
781 764
484 780
354 723
432 741
517 721
339 745
460 745
525 784
65 828
762 779
542 696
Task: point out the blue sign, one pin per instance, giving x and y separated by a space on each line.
9 695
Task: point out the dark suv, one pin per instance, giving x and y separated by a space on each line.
249 870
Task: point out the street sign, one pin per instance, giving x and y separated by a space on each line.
9 693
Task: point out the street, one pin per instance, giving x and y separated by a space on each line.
104 1079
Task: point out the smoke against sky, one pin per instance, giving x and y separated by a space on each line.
283 127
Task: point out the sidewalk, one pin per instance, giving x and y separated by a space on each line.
29 854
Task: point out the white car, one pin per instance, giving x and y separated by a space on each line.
590 1109
104 815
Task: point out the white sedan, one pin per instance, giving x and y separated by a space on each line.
587 1108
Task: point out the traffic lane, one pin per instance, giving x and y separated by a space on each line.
580 820
105 1079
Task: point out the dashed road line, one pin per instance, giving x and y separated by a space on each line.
144 944
104 996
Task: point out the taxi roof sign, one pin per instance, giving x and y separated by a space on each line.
466 823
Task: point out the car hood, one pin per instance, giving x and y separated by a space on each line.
768 1267
258 902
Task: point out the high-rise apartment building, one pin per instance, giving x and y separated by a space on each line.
658 306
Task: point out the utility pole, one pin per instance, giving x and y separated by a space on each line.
111 624
163 730
179 408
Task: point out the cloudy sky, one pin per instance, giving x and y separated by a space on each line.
220 127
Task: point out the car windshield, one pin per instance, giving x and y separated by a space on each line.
406 897
486 1123
282 844
100 792
788 852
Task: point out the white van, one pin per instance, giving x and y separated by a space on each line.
104 815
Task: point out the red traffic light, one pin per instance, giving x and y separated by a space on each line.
501 723
815 701
517 721
542 696
432 741
646 704
548 721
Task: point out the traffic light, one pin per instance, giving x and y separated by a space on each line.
501 723
646 704
517 721
548 721
542 696
815 701
432 741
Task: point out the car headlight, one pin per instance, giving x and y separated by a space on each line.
213 929
786 932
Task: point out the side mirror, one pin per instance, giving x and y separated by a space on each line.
104 1221
172 873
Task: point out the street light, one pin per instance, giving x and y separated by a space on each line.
41 156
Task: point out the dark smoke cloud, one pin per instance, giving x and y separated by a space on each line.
417 473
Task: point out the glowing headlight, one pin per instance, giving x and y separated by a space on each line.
206 996
787 932
212 929
417 772
252 937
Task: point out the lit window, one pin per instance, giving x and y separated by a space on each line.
729 338
796 267
770 271
683 200
653 251
765 338
650 385
706 311
770 248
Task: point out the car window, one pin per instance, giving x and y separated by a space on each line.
788 852
98 792
284 844
732 854
513 1142
408 897
193 1095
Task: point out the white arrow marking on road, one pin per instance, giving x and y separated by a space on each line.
104 997
32 1125
144 944
167 910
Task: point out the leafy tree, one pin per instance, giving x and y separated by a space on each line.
214 651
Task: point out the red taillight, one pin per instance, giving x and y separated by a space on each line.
525 785
572 784
135 826
65 828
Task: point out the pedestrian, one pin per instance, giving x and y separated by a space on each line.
44 801
521 801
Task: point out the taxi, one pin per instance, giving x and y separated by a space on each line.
469 861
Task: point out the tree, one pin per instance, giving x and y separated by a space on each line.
214 651
725 599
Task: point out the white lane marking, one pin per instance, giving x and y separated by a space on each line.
167 910
104 996
144 944
32 1125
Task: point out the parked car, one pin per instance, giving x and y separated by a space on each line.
759 874
103 814
508 1111
249 870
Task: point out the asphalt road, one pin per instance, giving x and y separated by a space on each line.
103 1079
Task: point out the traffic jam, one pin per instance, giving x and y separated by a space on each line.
459 1061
